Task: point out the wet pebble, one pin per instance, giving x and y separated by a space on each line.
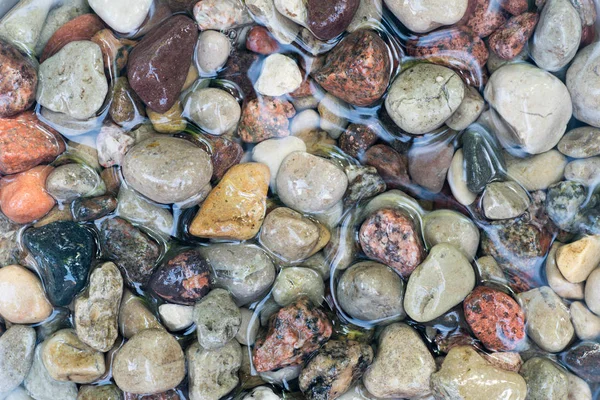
22 297
265 118
176 317
170 121
578 259
282 28
469 110
580 142
545 379
391 165
272 152
260 41
213 373
447 226
70 181
90 209
134 316
83 27
487 17
584 171
214 110
432 14
23 24
120 17
217 319
105 392
557 281
41 386
219 14
294 282
23 198
584 360
17 345
428 164
126 106
564 202
112 143
592 295
279 75
582 82
510 39
356 139
333 112
212 51
585 322
457 180
19 83
135 208
504 200
537 172
363 183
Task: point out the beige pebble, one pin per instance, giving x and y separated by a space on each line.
22 298
577 260
537 172
176 317
557 281
586 323
592 291
457 180
134 316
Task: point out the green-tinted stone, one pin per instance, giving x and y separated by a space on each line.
545 379
483 160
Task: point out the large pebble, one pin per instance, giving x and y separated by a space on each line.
310 184
399 344
428 164
134 316
213 373
19 83
150 362
214 110
68 359
429 14
294 282
467 375
23 24
41 386
577 260
423 97
272 152
120 16
504 200
279 75
212 51
581 142
97 310
295 10
249 327
545 379
531 101
585 171
70 181
17 345
446 226
537 172
548 321
73 81
159 64
90 209
236 207
22 297
148 168
217 319
441 282
23 198
582 82
556 279
586 323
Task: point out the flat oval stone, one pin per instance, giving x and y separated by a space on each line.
504 200
22 297
581 142
159 64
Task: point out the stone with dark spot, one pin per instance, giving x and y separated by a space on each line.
92 208
328 19
584 360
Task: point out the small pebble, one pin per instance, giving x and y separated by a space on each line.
176 317
212 51
217 319
279 75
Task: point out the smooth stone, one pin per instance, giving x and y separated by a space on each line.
214 110
134 316
429 15
23 24
217 319
428 164
68 359
294 282
370 291
104 392
537 172
447 226
265 118
564 201
578 388
305 121
122 17
318 263
248 328
212 51
469 110
235 208
545 379
580 142
70 181
467 375
97 310
293 9
279 75
457 180
577 260
126 107
63 251
583 359
504 200
148 168
213 373
170 121
483 160
489 270
557 281
73 81
308 183
58 16
439 283
548 321
333 114
176 317
93 208
261 393
586 171
592 291
521 89
112 143
364 182
138 210
399 344
272 152
243 269
282 375
22 297
17 345
282 28
326 20
150 362
220 15
18 88
585 322
41 386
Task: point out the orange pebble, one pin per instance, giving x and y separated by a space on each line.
23 197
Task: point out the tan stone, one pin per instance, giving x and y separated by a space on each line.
134 316
22 298
236 207
68 359
170 121
577 260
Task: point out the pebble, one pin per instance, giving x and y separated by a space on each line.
294 10
17 345
592 293
328 20
580 142
331 371
23 198
176 317
105 392
272 152
212 51
391 165
435 93
158 65
236 207
584 171
217 319
357 70
248 328
22 25
310 184
486 18
557 281
133 207
333 112
518 89
578 388
363 183
586 323
483 160
545 379
431 13
147 168
515 7
399 344
220 15
261 393
265 118
467 375
557 35
134 316
428 164
260 41
537 172
370 291
68 359
90 209
57 17
225 154
582 82
41 386
22 297
290 236
70 181
63 251
279 75
511 38
289 339
73 81
469 110
439 283
245 270
214 110
548 321
97 310
121 17
126 107
368 13
390 237
82 27
457 180
18 87
577 260
150 362
294 282
504 200
584 360
283 29
564 201
446 226
357 139
134 252
171 121
213 373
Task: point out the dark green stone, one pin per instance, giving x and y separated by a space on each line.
64 251
483 160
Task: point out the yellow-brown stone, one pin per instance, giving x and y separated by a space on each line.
22 298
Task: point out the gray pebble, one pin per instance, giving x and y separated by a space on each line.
217 318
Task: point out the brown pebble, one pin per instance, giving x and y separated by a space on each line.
357 139
260 41
486 18
265 118
391 165
515 7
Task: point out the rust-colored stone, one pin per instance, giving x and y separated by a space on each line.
260 41
83 27
23 197
508 41
357 139
265 118
487 16
18 83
